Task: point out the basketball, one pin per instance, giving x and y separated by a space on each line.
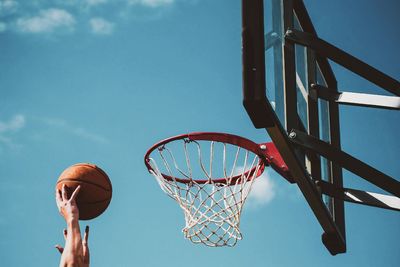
96 190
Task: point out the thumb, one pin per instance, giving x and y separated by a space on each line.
59 248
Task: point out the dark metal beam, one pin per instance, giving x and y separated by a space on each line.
332 237
313 116
356 99
253 58
348 61
360 197
348 162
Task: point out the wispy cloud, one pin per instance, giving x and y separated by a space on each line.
8 7
15 124
9 128
54 16
101 26
263 190
74 130
47 21
151 3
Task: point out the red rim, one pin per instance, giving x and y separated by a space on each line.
217 137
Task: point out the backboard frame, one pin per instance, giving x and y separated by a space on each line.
301 111
263 115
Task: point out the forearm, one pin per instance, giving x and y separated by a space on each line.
72 255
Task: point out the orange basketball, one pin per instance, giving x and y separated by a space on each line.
96 190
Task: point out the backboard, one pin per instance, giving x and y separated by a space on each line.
290 90
279 78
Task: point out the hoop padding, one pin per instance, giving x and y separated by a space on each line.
210 176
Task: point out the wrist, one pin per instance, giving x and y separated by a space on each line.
73 228
72 221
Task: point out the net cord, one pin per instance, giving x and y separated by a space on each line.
212 210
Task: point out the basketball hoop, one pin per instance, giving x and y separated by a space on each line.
210 175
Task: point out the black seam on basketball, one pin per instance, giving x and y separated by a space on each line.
82 182
96 202
98 169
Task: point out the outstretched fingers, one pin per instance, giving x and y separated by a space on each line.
75 193
86 256
58 197
59 248
64 193
86 235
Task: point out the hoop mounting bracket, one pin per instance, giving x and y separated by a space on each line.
275 160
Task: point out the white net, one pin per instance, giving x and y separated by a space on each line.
210 181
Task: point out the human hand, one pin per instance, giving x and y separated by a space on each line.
67 206
85 246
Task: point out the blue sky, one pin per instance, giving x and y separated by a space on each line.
100 81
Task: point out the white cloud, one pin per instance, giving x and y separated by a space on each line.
101 26
151 3
45 16
3 27
77 131
8 7
11 127
263 190
15 124
47 21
